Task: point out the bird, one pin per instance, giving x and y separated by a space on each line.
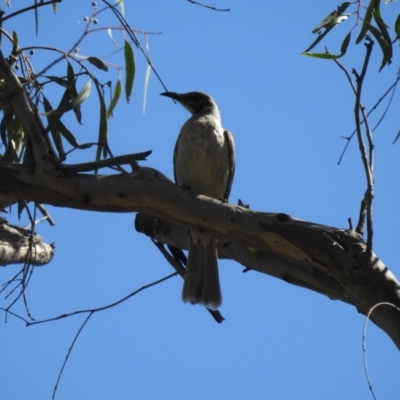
204 162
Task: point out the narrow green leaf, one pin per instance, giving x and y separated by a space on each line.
65 99
46 104
109 31
121 5
55 134
397 26
129 69
329 23
58 143
66 105
98 63
317 40
345 44
385 34
102 140
115 98
381 24
57 79
367 21
333 19
70 75
66 133
383 45
73 91
83 94
54 4
325 56
328 56
54 118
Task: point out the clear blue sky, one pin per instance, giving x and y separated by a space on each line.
287 114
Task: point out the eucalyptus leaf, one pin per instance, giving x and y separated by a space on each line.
98 63
129 69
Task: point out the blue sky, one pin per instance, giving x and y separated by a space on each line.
287 113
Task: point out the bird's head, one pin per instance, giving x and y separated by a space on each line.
195 102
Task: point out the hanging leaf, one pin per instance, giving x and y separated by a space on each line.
56 79
333 19
66 105
98 63
67 134
397 27
54 4
367 21
55 134
121 5
73 91
109 31
83 94
385 35
383 45
102 145
323 34
345 44
328 56
115 98
129 69
146 84
324 56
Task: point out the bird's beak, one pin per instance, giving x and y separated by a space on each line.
172 95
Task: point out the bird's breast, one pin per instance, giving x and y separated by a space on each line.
201 157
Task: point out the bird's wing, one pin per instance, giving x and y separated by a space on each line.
230 144
175 153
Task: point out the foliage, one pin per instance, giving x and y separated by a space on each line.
38 83
372 26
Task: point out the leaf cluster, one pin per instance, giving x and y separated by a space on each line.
372 26
74 93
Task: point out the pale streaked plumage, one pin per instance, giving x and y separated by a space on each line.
204 161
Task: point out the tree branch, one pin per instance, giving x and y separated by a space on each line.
367 163
17 246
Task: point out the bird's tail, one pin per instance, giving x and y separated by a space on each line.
201 284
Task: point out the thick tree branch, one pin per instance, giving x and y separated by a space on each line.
17 246
331 261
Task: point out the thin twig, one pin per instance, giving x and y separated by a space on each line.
367 163
73 47
374 107
210 7
68 354
108 162
368 317
45 214
36 5
134 39
28 323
